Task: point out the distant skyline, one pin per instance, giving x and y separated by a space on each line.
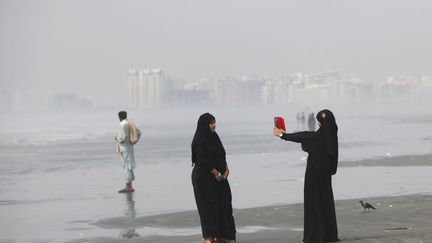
87 47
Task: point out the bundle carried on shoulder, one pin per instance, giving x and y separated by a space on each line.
134 133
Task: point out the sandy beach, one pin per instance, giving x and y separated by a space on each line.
111 218
396 219
406 218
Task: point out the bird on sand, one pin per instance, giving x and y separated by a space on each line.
366 205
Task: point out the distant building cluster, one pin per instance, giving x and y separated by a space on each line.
414 88
151 88
20 101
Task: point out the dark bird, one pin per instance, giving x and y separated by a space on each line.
367 206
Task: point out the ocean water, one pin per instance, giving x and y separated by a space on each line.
59 173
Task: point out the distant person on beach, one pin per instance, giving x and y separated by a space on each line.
300 121
322 147
126 138
210 183
311 122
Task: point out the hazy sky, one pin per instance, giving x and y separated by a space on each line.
88 46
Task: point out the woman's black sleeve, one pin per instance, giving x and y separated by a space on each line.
298 137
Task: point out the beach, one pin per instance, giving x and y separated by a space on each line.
396 219
405 218
58 183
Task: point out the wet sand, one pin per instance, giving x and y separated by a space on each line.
405 160
396 219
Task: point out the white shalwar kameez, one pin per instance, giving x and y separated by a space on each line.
126 150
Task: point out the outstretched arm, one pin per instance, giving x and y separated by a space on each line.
297 137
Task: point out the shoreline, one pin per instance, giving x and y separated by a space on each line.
396 219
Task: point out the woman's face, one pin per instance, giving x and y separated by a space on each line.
318 124
212 126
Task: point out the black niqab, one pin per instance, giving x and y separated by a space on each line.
203 135
330 129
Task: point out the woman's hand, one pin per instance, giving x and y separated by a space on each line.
217 175
277 132
226 173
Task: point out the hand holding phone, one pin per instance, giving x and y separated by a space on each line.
279 122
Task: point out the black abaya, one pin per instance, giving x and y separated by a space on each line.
319 211
213 198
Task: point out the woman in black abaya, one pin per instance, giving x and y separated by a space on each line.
322 147
210 183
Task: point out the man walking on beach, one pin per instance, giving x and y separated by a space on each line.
127 137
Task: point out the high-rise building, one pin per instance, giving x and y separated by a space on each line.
5 102
17 101
278 91
147 88
244 90
413 88
133 88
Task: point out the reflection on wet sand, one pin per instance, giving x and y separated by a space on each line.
129 212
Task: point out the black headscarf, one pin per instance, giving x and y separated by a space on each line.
330 129
204 136
122 115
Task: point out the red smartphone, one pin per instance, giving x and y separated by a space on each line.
279 122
